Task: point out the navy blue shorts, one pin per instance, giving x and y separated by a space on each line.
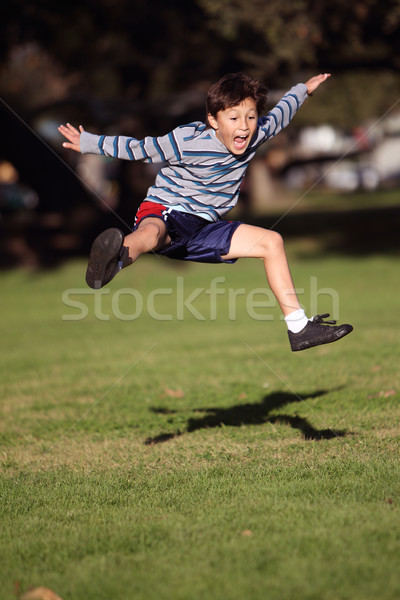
192 238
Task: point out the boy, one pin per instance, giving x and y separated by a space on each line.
198 183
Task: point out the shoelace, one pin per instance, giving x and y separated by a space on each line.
320 319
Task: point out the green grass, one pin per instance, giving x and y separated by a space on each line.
191 459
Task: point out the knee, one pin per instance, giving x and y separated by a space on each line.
272 244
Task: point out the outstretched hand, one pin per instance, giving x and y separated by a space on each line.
73 135
315 82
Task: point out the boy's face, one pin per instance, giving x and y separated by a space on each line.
236 125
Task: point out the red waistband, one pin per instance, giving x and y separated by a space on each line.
149 209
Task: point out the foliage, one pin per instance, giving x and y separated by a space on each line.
141 49
283 37
270 37
146 49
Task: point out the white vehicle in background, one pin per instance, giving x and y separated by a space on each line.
365 160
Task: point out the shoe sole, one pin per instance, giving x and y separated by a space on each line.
105 249
337 335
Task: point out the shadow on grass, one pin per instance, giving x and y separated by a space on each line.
251 414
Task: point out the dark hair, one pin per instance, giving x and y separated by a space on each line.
232 89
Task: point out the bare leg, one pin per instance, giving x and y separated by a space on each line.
150 235
256 242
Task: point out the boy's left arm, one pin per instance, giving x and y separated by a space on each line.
315 82
280 116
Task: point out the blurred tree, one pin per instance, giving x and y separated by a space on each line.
113 48
141 49
363 33
271 38
278 37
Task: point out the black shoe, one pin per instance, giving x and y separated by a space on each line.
104 257
318 332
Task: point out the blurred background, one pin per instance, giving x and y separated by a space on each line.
140 68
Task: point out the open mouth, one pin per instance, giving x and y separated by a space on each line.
240 141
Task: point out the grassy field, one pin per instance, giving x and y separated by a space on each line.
168 445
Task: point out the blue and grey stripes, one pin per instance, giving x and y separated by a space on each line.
198 174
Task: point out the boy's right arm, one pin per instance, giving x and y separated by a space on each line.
150 149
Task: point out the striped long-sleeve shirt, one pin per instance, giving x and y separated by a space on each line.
198 174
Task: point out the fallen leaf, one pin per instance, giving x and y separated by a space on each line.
174 393
40 593
242 396
386 394
247 533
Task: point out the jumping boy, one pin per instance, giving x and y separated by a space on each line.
203 165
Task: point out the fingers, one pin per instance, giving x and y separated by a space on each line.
72 135
70 132
71 146
320 78
316 81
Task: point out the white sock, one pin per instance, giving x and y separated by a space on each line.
296 321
